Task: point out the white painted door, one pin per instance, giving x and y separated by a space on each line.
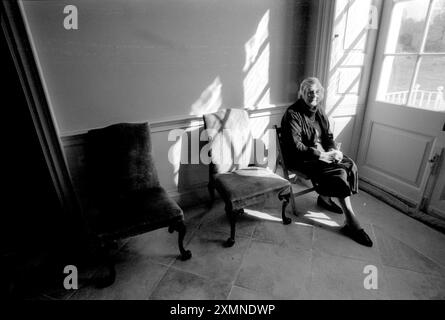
405 111
354 34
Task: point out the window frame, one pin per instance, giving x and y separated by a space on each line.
419 54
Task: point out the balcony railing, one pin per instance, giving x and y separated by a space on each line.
432 100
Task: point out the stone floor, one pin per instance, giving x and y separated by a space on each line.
308 259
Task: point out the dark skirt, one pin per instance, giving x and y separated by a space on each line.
339 180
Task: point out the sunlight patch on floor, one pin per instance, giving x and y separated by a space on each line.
262 215
321 218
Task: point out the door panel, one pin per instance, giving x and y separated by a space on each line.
388 145
397 143
401 130
397 155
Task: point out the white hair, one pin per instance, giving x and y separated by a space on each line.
307 84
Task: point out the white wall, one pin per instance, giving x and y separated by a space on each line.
133 60
165 62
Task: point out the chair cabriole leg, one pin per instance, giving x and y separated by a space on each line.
179 226
232 216
211 189
285 200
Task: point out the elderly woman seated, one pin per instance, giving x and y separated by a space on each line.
311 149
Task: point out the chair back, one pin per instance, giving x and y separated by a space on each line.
282 157
119 161
230 139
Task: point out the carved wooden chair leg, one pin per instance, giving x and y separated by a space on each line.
292 202
211 189
180 227
232 215
285 200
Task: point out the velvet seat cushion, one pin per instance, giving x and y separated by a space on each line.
137 213
248 186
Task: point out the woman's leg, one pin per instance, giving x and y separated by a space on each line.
327 203
350 217
325 198
353 228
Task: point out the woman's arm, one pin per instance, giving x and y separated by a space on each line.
327 135
295 128
329 142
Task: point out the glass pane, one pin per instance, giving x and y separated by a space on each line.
397 73
435 41
407 26
428 91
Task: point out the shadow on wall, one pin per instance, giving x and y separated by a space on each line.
256 86
253 75
210 99
345 74
187 153
347 67
168 59
269 69
291 65
192 172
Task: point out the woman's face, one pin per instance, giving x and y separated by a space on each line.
312 96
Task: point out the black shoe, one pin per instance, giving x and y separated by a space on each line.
329 206
359 236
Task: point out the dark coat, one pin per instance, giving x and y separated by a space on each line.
299 136
300 152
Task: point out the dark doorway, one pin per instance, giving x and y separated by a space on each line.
34 228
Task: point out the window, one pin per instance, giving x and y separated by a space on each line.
413 72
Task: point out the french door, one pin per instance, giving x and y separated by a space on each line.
402 138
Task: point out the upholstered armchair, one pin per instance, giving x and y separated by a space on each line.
239 184
125 197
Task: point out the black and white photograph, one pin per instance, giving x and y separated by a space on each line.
223 156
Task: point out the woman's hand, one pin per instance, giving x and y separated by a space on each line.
327 157
338 155
331 156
